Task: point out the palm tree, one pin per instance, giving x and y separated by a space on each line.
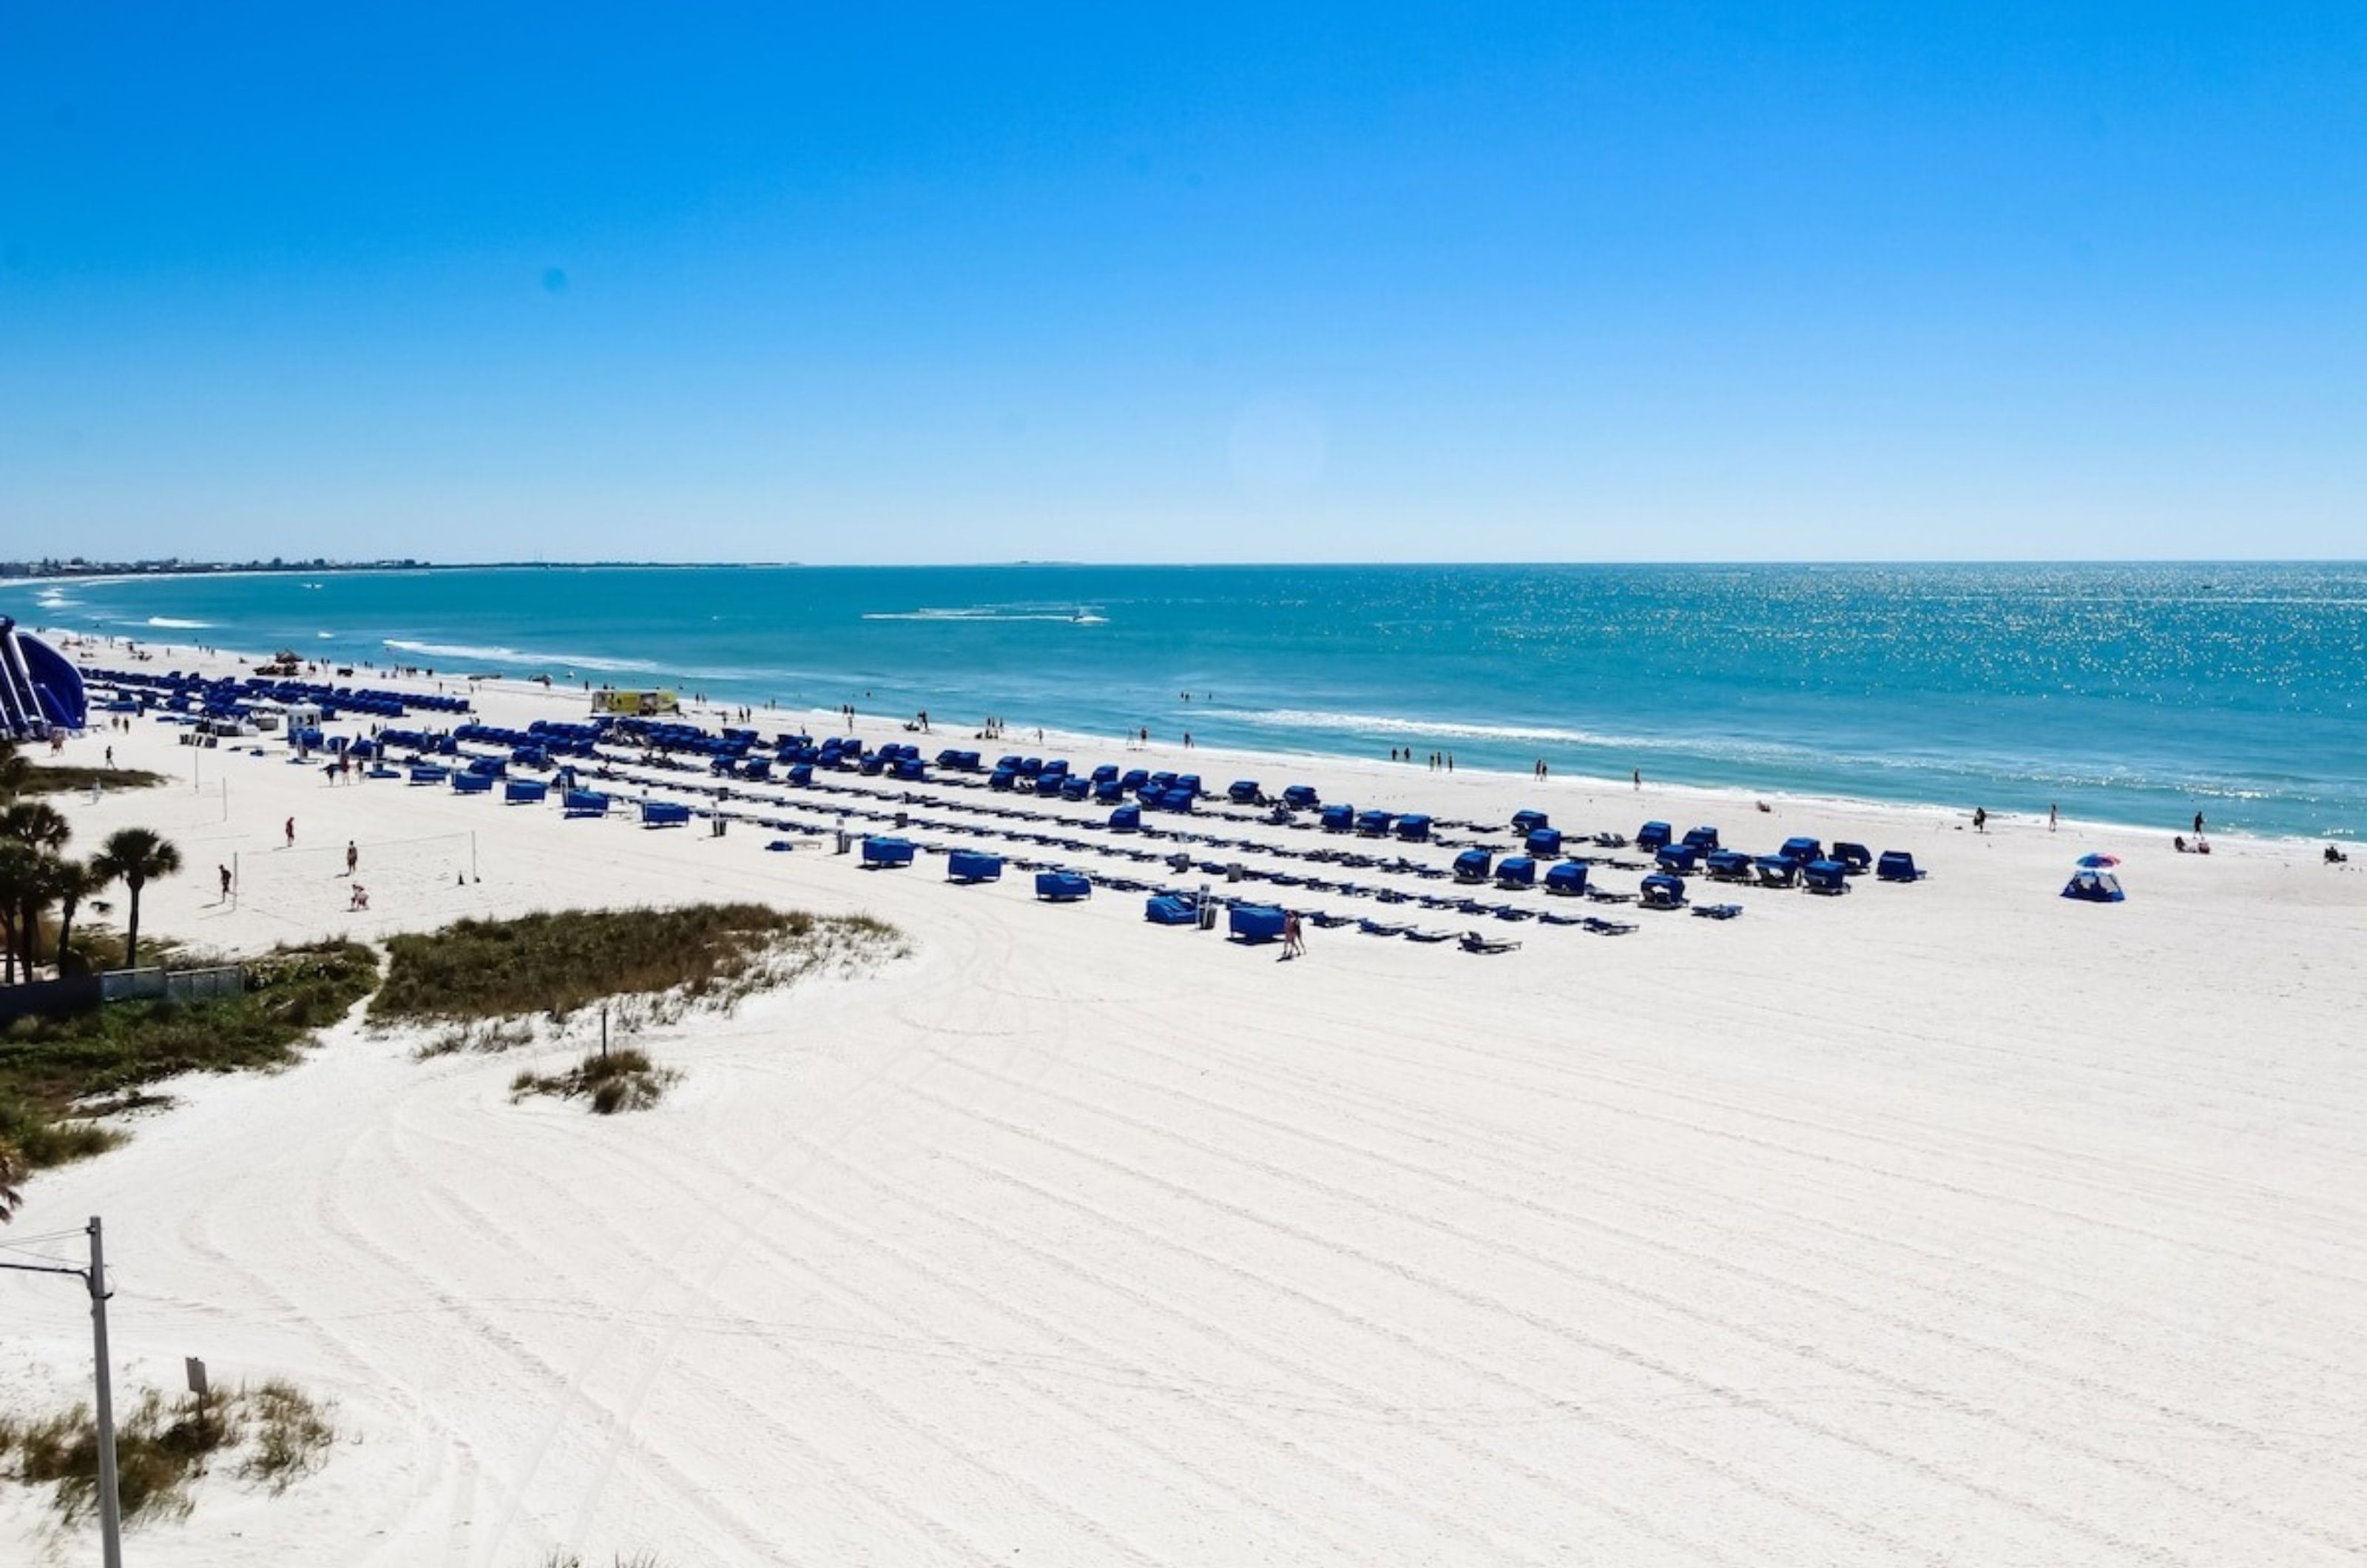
20 874
42 830
132 856
15 769
69 882
12 1171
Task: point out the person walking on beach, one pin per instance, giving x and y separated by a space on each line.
225 883
292 832
352 858
1638 777
2053 814
1293 940
1980 819
2198 824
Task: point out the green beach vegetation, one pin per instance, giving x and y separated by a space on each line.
490 984
270 1434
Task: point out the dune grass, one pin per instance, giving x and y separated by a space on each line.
67 778
622 1079
51 1068
276 1434
555 965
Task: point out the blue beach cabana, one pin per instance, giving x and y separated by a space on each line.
1568 878
1542 842
1473 866
1516 870
1898 865
1654 836
1413 829
1826 876
1530 821
1062 886
967 866
1255 923
887 853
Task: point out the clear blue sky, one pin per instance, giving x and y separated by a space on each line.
1110 282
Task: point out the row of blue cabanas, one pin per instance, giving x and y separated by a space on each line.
180 691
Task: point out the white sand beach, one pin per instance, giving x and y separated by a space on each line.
1952 1222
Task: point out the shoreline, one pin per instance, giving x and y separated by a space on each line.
1715 797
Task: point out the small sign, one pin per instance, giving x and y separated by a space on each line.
197 1375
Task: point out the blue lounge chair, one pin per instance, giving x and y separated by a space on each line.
524 792
584 803
1718 911
1171 910
665 813
473 784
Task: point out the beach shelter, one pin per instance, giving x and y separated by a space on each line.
1472 865
1338 818
2094 884
887 852
40 690
1516 870
1542 842
1245 791
1062 886
1255 923
1653 836
1530 821
1171 910
1413 829
1568 877
970 865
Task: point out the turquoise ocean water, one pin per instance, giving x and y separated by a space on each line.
2130 693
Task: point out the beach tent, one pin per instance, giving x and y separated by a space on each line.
1472 865
1516 870
1898 865
1677 859
40 690
1338 818
1729 865
1413 830
1301 797
1375 824
1802 851
1543 842
969 865
1126 819
1702 839
1245 791
1568 877
1653 836
2094 884
1530 821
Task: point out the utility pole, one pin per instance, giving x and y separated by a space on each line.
110 1505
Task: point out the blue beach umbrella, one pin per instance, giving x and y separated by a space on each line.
2097 862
